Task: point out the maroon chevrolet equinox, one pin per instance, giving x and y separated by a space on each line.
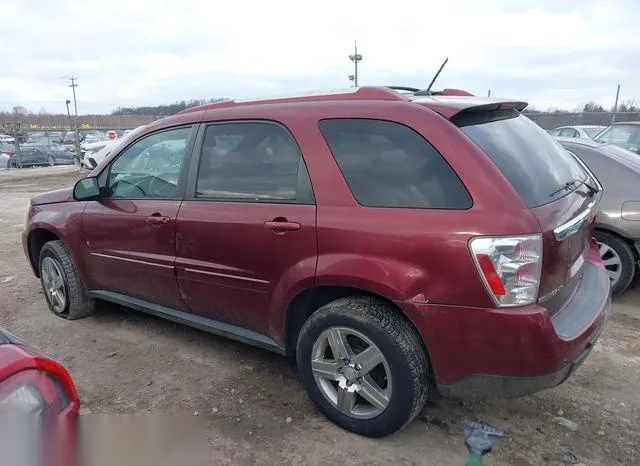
397 245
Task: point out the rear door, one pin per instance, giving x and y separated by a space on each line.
246 233
551 183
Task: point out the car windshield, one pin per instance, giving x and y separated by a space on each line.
537 166
621 134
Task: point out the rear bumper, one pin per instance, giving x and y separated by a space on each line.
482 352
479 386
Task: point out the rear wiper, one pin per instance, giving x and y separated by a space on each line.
564 187
570 184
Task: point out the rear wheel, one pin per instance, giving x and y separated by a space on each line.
61 284
363 365
618 259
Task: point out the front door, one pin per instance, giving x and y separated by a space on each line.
130 233
246 233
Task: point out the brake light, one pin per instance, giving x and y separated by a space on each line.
32 392
509 267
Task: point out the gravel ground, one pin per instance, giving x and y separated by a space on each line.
220 402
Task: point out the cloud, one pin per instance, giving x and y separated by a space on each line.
550 53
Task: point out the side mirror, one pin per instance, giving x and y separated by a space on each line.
87 189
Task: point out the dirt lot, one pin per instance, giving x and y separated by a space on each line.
248 406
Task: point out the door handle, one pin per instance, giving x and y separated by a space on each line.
282 225
156 220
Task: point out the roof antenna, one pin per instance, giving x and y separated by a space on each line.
427 91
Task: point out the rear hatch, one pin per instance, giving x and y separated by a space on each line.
556 187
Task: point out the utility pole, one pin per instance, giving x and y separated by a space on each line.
355 58
615 106
73 86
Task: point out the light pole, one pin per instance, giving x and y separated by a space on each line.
69 115
355 58
615 106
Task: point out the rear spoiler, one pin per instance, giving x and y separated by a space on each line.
455 104
493 107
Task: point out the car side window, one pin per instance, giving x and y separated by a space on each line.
149 168
567 133
387 164
252 161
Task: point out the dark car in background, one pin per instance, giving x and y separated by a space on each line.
69 138
39 155
355 231
617 224
624 134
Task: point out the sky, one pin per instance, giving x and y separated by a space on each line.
550 53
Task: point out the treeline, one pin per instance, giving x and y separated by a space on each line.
166 109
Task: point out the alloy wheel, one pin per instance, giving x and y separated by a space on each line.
612 262
54 286
351 372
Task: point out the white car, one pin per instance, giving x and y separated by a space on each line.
95 149
579 131
91 159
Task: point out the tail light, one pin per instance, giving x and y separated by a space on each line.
37 417
32 392
510 267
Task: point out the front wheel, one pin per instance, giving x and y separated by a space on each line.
61 284
363 365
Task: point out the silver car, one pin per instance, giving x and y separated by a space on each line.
618 217
579 131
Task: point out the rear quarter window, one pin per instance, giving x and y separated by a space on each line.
387 164
536 165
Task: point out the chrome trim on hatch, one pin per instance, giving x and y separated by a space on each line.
573 226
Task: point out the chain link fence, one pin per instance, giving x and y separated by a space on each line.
547 121
553 120
62 122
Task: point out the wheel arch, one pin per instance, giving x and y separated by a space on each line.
36 239
616 232
308 301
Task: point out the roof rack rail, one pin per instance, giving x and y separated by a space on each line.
404 88
360 93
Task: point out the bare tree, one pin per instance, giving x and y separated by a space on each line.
21 111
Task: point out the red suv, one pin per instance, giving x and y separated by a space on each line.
394 244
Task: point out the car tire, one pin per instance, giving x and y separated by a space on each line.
367 324
63 289
51 161
618 259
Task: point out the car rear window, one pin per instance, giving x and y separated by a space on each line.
537 166
387 164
